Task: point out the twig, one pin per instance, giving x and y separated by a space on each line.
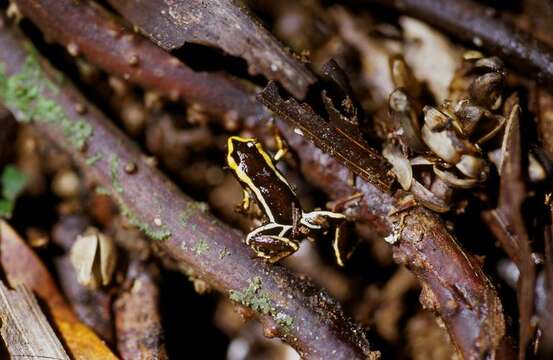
107 44
293 309
225 24
480 25
137 318
361 159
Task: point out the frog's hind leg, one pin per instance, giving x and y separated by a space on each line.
272 241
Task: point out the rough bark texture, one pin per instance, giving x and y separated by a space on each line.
107 44
137 318
24 327
225 24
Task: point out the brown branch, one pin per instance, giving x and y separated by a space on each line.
455 285
225 24
480 25
361 159
137 317
303 315
107 44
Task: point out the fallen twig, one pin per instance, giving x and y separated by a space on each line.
107 44
137 318
225 24
293 309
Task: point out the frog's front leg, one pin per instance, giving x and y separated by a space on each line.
246 201
272 241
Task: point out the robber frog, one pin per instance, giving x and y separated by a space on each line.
287 223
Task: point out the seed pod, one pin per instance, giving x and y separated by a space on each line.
428 199
402 77
402 109
94 257
473 167
486 90
401 165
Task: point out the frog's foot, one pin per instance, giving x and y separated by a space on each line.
320 219
272 242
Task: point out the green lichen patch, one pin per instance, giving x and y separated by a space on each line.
201 247
13 182
158 233
114 172
94 159
259 301
24 94
192 208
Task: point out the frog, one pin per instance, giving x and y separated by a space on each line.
287 224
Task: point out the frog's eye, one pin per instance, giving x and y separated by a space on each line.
250 144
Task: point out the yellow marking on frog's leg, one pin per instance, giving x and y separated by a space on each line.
341 244
282 147
246 200
288 246
259 231
336 248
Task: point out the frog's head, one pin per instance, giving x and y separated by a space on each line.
240 145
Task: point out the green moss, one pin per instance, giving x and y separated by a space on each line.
13 182
100 190
201 247
259 300
94 159
159 233
114 171
24 94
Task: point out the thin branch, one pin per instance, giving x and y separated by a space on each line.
300 313
137 316
225 24
481 26
107 44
